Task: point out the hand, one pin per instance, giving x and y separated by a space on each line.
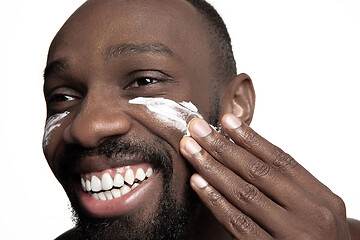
257 191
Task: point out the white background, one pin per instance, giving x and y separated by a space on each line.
303 57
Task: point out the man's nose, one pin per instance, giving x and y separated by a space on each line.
95 121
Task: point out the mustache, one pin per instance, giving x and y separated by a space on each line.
153 152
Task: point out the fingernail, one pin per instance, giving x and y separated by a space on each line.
192 117
191 146
188 121
199 181
201 128
232 122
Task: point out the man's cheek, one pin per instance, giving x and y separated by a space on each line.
52 123
52 134
173 115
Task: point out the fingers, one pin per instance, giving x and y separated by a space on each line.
238 224
242 195
244 164
247 138
258 146
252 184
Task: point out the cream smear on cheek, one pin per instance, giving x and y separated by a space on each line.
171 113
51 124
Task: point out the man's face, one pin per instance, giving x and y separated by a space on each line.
108 53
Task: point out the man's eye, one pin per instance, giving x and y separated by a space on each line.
61 98
143 82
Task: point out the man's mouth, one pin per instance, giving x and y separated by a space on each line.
114 183
118 191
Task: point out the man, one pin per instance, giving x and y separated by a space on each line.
117 73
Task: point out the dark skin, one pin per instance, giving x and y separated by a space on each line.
253 190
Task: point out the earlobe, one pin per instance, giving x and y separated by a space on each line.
239 98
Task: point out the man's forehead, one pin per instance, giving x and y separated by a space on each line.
99 25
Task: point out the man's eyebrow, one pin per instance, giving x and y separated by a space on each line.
55 67
129 49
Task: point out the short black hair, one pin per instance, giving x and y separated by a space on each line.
220 40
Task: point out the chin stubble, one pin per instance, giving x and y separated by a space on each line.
171 220
173 217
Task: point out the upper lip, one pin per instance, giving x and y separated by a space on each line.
99 163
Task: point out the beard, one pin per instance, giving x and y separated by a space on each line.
171 220
173 216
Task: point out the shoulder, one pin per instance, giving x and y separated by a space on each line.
354 227
69 235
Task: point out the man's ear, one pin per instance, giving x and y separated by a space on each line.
239 98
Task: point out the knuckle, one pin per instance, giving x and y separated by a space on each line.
215 199
339 205
240 223
327 218
246 194
248 138
282 160
205 165
258 169
219 146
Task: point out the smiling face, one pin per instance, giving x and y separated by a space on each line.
118 162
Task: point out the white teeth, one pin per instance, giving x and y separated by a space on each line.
83 184
129 176
102 196
103 189
108 195
149 172
140 174
95 195
125 189
116 192
118 180
106 182
95 184
88 185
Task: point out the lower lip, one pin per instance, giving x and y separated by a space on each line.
123 205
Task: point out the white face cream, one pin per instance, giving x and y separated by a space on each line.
173 114
51 124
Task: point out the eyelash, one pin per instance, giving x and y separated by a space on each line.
148 81
59 102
